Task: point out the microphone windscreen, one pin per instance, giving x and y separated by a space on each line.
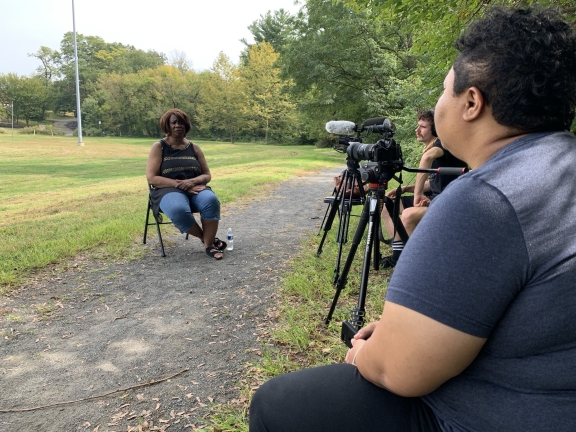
341 127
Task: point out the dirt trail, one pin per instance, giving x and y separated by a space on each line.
66 126
119 326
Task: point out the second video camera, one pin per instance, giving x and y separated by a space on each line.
384 156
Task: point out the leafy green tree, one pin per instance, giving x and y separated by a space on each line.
132 104
91 112
29 95
274 28
49 59
95 58
176 88
347 65
126 102
223 101
434 27
268 103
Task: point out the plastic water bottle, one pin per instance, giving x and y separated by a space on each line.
230 239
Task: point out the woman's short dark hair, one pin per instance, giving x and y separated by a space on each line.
428 115
180 115
524 62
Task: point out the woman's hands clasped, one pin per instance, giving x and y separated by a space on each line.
190 185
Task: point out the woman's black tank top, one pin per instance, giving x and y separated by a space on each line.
177 164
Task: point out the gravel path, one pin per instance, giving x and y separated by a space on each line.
67 127
98 328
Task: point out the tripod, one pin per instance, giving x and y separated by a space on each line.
341 202
370 217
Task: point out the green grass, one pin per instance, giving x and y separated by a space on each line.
58 199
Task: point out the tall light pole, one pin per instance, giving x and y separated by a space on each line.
12 121
78 113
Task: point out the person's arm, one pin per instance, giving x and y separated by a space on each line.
411 354
431 328
422 185
205 176
153 168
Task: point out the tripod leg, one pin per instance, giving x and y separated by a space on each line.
377 230
355 242
359 312
326 212
352 179
333 206
341 237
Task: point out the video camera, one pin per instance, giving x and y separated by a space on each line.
385 156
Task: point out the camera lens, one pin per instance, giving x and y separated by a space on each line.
360 152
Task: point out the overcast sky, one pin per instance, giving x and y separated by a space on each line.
199 28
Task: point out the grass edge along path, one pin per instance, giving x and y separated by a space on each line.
299 338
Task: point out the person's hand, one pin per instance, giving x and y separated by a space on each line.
421 201
391 193
184 184
359 340
357 345
365 332
196 188
188 185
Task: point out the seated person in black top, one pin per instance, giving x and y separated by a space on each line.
413 208
178 172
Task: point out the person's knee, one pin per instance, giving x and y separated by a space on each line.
208 206
412 216
262 404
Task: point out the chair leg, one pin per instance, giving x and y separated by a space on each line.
160 238
146 223
157 228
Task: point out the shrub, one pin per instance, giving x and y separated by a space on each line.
90 132
326 142
47 130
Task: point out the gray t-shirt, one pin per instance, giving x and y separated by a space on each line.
496 254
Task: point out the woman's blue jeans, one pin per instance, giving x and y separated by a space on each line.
180 206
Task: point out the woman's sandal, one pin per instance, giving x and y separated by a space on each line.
213 251
218 244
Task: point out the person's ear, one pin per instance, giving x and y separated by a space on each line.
474 104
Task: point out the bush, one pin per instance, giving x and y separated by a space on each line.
47 130
2 131
90 132
326 142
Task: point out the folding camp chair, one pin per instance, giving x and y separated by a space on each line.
157 221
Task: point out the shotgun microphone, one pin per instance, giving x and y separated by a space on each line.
341 127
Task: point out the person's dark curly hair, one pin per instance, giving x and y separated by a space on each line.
180 115
428 115
524 63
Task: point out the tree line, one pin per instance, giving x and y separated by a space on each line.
345 60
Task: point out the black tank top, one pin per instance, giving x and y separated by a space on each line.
177 164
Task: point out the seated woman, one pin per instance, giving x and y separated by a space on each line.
178 173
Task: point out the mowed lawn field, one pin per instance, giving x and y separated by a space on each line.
58 199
